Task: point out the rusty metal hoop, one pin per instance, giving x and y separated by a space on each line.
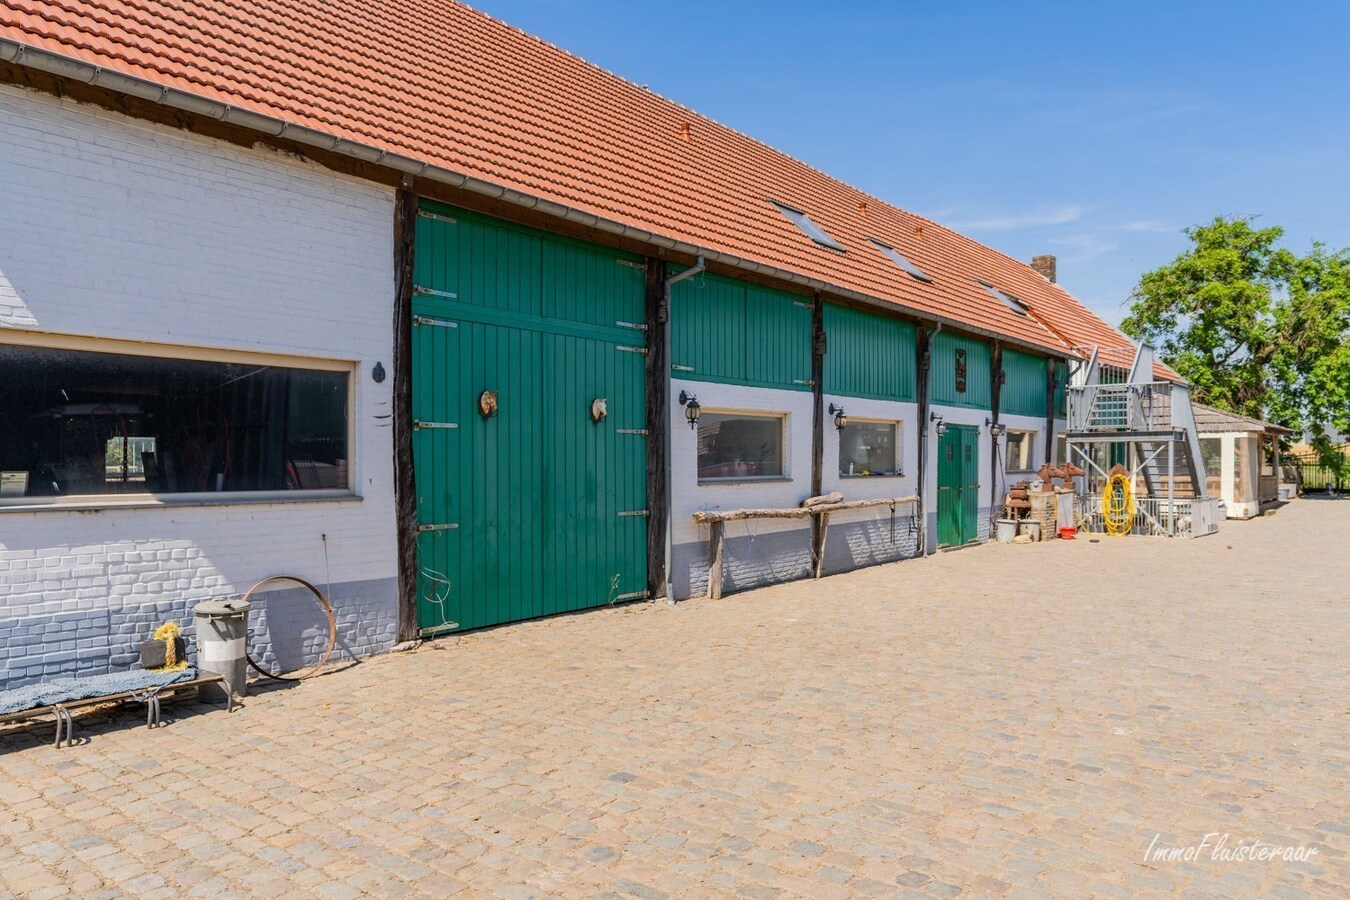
332 629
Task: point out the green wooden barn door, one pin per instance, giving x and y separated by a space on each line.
970 485
528 401
958 486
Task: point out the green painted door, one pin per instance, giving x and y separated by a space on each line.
531 498
958 503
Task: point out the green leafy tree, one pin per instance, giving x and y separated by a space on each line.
1254 328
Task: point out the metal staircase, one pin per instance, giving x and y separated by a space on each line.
1127 418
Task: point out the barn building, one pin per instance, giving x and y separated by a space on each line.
397 298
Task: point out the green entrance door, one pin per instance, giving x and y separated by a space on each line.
528 407
958 501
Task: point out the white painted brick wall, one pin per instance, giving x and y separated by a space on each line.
111 227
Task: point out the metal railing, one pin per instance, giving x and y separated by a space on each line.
1185 517
1121 407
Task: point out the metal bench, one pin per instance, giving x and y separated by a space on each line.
139 686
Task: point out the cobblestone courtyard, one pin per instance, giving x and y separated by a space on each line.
1004 720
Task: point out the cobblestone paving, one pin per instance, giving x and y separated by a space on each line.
1004 720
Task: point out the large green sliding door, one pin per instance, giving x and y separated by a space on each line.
528 442
958 471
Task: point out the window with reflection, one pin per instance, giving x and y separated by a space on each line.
78 423
868 448
739 446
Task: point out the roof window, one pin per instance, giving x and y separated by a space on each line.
895 256
1018 306
808 227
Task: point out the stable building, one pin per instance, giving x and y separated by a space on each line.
464 342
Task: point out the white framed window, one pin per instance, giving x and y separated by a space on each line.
869 448
736 446
1021 451
93 422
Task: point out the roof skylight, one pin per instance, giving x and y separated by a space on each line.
895 256
1018 306
808 227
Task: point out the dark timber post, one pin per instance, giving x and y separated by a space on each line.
405 486
818 348
1051 385
996 377
658 427
923 359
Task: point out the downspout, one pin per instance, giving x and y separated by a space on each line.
699 265
925 363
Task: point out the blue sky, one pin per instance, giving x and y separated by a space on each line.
1089 130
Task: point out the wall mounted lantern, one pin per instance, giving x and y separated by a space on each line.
691 408
941 427
840 417
995 429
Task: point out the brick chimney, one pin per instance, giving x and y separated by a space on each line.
1045 265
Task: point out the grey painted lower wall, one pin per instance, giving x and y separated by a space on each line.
853 545
748 560
751 560
288 631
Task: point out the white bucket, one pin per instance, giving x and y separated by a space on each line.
1032 528
1005 530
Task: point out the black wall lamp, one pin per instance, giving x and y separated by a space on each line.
691 408
941 427
995 429
840 417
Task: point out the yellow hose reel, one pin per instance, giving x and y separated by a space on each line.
1118 505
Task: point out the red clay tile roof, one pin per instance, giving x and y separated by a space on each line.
448 85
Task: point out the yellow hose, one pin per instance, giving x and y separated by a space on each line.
1118 505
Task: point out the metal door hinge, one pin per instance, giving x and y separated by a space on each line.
439 323
636 595
418 424
632 265
641 351
682 368
431 292
642 431
803 305
423 214
636 325
450 526
634 512
808 382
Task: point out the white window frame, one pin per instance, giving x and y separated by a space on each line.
1031 449
53 341
785 443
899 427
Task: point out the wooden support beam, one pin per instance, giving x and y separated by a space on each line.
923 361
818 349
820 547
717 543
1051 376
657 311
405 484
997 377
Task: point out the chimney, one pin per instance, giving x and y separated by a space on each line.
1045 265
